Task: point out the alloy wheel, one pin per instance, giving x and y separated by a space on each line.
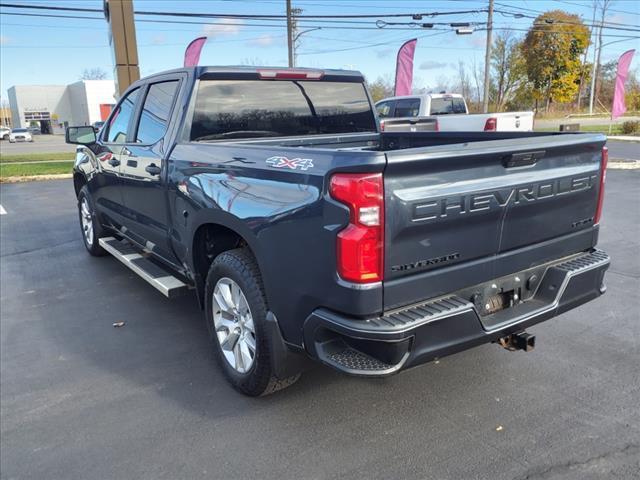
233 323
87 220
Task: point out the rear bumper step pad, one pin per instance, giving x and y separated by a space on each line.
153 274
424 332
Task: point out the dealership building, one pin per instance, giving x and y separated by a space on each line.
52 107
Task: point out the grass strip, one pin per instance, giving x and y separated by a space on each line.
36 157
20 170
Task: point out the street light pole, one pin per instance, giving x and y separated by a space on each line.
487 60
295 46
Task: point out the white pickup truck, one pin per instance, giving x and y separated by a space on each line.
451 114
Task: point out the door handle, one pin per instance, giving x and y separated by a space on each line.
127 152
523 159
153 169
114 162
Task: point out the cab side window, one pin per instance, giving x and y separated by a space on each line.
119 123
156 112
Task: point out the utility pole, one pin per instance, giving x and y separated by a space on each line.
487 60
584 60
122 38
596 86
596 58
290 33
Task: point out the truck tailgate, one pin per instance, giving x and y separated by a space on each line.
514 121
458 215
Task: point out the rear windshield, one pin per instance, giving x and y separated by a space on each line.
445 105
262 108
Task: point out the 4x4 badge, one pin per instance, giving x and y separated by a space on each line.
293 163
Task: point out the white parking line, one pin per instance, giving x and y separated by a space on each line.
2 210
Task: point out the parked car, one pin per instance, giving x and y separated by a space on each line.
4 133
20 135
34 130
306 233
451 113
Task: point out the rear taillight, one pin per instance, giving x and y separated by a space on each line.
382 125
437 125
360 245
491 125
603 177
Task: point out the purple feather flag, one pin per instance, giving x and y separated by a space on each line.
192 53
404 68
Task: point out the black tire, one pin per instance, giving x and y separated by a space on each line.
92 245
240 266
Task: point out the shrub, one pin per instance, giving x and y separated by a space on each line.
631 127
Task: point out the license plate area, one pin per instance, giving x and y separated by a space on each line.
505 292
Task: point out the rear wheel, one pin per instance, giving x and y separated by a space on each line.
235 313
91 229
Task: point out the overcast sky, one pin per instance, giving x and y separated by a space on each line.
36 50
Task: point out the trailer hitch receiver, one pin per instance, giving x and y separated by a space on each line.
518 341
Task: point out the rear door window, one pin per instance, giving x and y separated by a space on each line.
119 123
407 107
385 109
446 105
156 112
227 109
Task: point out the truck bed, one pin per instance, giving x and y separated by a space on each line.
391 141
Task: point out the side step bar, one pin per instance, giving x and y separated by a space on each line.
162 280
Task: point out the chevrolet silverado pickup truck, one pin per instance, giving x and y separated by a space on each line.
306 233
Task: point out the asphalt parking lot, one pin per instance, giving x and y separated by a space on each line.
40 144
83 400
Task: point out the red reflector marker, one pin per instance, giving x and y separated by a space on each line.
603 177
491 125
360 246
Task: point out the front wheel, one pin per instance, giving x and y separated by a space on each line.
89 225
236 311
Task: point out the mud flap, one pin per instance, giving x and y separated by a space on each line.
285 362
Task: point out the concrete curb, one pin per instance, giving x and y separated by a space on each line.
624 138
627 165
35 178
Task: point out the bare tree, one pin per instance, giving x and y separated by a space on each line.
478 78
464 85
93 74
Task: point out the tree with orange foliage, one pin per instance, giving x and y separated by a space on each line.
551 50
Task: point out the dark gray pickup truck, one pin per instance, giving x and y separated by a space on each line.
307 233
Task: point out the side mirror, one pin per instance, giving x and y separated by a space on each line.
80 135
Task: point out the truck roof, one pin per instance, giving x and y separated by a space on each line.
211 71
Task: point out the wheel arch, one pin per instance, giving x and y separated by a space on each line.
79 181
211 237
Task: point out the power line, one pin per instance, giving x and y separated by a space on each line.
237 15
589 6
565 22
369 46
